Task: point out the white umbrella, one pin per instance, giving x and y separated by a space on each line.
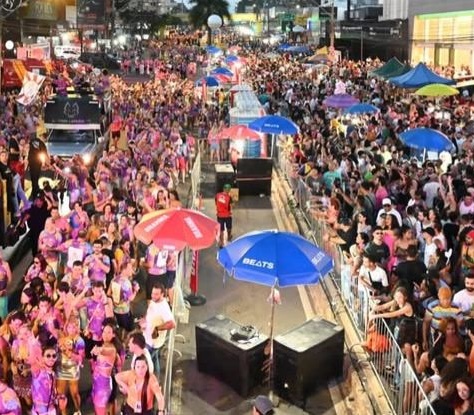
241 87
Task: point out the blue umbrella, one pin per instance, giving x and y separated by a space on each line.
213 50
275 258
222 71
274 124
362 108
210 81
298 49
283 47
426 139
231 58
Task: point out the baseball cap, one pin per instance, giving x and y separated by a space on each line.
386 201
263 404
227 186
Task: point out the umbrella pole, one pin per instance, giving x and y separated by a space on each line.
273 141
193 298
272 320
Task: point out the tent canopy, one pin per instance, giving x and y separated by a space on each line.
419 76
390 66
397 72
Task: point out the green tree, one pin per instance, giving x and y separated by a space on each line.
159 23
202 9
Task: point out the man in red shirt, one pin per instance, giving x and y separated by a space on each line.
224 213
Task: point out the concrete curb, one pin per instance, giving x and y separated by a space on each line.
360 391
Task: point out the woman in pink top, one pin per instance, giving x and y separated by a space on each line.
391 230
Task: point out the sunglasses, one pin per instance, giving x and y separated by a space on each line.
50 356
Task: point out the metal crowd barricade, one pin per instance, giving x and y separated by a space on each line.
180 307
393 369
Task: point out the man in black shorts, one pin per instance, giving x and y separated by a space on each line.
224 213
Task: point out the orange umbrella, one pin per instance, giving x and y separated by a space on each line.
176 229
241 132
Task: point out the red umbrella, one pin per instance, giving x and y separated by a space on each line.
238 132
176 229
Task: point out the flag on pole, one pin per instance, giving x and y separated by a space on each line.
31 85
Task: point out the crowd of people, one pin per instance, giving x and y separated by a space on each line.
404 222
406 225
74 319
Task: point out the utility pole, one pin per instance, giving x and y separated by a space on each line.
332 29
268 17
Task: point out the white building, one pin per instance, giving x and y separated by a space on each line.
395 9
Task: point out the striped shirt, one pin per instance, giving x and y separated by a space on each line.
437 313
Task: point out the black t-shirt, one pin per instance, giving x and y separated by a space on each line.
451 231
37 217
442 407
13 145
5 172
379 253
410 271
349 237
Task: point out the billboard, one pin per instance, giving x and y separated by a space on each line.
41 10
80 110
91 14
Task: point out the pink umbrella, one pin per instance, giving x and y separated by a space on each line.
238 132
340 101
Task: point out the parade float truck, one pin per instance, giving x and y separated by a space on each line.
76 125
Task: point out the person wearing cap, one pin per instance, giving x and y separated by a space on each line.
387 208
438 310
224 213
262 405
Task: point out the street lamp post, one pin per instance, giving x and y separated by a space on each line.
214 22
332 29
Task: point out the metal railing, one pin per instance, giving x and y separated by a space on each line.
180 307
387 359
